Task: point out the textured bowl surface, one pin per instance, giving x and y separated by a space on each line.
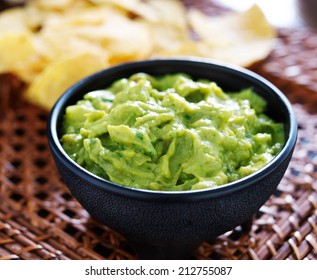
161 223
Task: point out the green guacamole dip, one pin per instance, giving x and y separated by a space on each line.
170 133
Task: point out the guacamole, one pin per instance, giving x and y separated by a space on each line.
170 133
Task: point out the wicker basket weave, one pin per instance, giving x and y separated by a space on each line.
39 219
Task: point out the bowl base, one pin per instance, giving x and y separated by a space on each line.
175 251
247 226
164 252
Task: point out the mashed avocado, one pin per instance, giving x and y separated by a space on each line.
170 133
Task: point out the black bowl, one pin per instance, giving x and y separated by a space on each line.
170 225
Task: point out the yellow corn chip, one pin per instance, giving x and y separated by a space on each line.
56 4
240 38
13 21
52 44
15 49
59 76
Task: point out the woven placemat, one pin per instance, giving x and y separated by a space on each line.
292 65
39 218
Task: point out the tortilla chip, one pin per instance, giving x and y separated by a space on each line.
239 38
52 44
59 76
56 4
15 49
13 21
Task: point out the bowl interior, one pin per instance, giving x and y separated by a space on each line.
229 78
